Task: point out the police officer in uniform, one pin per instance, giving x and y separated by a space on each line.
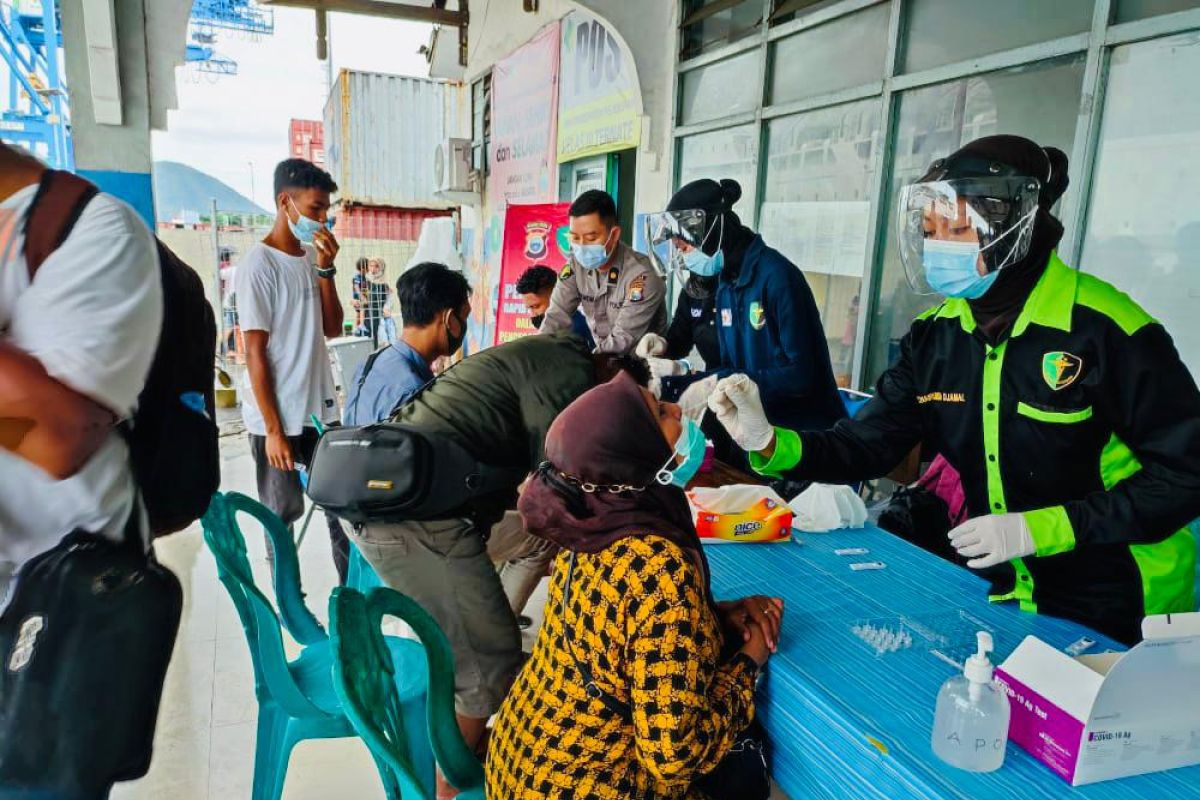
618 290
1064 406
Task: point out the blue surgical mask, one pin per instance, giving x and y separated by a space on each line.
691 447
590 256
950 268
304 228
698 262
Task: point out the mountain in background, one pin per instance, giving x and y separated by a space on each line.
185 194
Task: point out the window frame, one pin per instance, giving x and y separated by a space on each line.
1097 43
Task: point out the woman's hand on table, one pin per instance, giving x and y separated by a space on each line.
754 618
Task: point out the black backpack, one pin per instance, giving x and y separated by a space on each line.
172 436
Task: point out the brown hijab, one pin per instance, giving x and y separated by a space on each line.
608 438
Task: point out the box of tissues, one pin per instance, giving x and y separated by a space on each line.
741 513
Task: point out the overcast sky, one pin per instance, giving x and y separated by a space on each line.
223 124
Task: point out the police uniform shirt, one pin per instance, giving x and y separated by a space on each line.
621 301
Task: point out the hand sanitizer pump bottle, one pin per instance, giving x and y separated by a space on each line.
970 726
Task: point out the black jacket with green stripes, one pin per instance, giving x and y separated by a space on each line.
1084 418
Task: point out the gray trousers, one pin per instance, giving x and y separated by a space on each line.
444 566
523 559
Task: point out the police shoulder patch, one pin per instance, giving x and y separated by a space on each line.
637 289
566 272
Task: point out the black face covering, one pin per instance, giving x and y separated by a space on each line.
699 287
538 320
997 310
453 341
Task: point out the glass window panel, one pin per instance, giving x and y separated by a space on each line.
1143 230
1130 10
721 154
1039 101
816 209
945 31
720 89
721 28
857 44
788 10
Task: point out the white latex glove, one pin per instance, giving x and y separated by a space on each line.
992 540
694 399
738 406
666 367
650 345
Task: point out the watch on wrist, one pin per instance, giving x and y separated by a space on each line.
329 272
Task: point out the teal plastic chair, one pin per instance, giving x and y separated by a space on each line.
296 700
365 676
360 574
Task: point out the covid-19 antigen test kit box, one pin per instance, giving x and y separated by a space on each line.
1111 715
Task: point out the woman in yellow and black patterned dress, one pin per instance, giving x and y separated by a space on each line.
638 621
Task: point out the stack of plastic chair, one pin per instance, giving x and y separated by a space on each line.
296 699
364 675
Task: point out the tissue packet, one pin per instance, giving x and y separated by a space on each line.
740 513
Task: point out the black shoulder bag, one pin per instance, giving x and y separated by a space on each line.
84 645
742 774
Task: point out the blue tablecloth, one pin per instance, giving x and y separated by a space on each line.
848 722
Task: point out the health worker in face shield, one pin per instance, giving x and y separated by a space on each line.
1063 405
616 288
766 320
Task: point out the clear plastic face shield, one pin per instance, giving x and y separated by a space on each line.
671 235
956 235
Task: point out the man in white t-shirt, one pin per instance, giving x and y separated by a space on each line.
76 345
287 306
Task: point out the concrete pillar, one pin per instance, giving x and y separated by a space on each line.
116 157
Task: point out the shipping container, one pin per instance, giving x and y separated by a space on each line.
306 138
375 222
381 132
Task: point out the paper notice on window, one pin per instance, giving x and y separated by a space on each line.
819 236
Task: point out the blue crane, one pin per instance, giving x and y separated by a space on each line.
36 112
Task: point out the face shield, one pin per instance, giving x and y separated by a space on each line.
676 239
956 235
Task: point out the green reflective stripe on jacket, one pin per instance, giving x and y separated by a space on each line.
1060 417
1022 590
1168 567
787 453
993 368
1051 530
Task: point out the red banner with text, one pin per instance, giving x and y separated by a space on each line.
533 235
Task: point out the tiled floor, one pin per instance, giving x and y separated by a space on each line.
204 747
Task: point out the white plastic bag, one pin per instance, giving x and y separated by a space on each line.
824 507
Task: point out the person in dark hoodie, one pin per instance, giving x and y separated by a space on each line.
1063 405
767 323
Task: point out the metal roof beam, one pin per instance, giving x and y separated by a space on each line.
377 8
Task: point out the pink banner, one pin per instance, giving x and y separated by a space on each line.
521 159
533 234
